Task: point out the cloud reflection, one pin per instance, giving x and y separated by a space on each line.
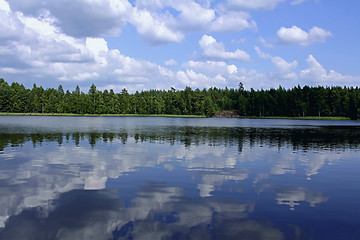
54 184
32 177
293 197
157 213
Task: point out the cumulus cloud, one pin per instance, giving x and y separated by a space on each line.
316 74
46 42
297 36
254 4
98 47
39 43
36 43
232 22
10 27
39 51
252 78
220 74
92 18
198 80
216 50
154 28
193 16
212 68
189 16
285 70
315 70
158 22
82 18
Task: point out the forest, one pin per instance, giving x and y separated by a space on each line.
295 102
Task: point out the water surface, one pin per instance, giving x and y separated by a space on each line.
178 178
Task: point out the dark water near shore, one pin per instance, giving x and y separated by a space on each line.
178 178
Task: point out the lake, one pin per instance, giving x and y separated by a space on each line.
178 178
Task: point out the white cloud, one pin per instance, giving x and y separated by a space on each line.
317 34
155 28
286 74
261 53
98 47
4 6
198 80
36 43
158 22
315 71
285 69
193 16
85 76
230 72
170 63
265 43
282 65
316 74
150 4
296 35
212 68
189 16
10 28
254 4
216 50
34 48
42 42
232 22
82 18
90 18
252 78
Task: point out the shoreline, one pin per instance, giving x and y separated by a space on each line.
100 115
168 115
302 118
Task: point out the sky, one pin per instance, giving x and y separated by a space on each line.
159 44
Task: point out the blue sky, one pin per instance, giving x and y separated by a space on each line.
159 44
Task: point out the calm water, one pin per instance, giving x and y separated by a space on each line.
174 178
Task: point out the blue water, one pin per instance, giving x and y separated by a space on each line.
178 178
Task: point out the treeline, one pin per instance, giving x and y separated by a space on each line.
295 102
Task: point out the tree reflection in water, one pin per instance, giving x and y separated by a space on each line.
180 182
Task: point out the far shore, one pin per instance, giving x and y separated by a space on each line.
100 115
168 115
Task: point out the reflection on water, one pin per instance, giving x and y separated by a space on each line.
292 197
321 137
178 179
157 213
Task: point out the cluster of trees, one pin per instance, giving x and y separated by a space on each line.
295 102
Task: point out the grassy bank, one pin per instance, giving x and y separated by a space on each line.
101 115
